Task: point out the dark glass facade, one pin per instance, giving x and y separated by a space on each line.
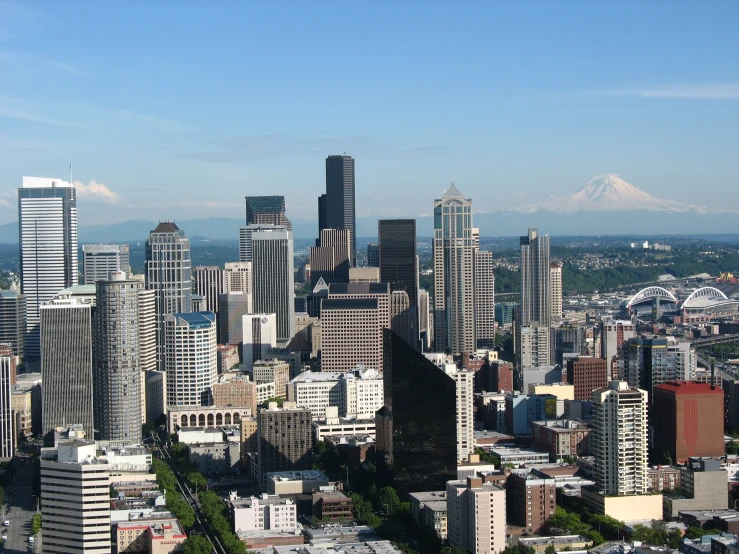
398 256
417 427
339 203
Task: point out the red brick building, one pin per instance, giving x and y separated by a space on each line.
688 420
530 500
501 377
586 374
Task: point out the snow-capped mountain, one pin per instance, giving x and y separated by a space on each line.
610 193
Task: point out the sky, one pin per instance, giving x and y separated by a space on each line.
177 110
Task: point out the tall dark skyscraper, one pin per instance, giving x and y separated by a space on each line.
339 204
266 210
322 214
398 256
417 426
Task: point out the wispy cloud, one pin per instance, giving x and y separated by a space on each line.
96 192
18 108
26 59
726 91
256 147
206 204
4 202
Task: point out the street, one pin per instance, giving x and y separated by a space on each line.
19 495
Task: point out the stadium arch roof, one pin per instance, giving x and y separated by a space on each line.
709 300
650 292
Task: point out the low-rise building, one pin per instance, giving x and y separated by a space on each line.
150 535
264 513
561 438
273 371
180 417
295 482
428 509
661 478
333 425
356 448
561 543
563 391
519 456
332 505
703 486
228 357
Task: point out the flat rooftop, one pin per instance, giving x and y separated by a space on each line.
305 475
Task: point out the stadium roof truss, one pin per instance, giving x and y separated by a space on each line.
651 292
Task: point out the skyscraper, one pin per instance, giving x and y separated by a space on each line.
66 366
47 220
231 310
555 284
117 372
535 310
484 299
273 277
454 306
397 245
7 417
266 210
340 209
13 320
373 254
191 358
417 426
285 438
209 283
330 259
619 439
99 260
169 273
237 277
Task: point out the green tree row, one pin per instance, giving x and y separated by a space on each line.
216 513
174 501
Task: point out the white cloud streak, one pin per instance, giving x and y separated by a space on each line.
96 192
728 91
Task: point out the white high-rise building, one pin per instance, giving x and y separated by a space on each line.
191 357
465 410
100 260
619 439
66 365
7 417
75 495
555 284
454 294
269 248
259 333
476 516
533 346
147 342
47 223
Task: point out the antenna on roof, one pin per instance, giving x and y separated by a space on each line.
70 174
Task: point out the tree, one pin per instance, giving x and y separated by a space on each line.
550 550
279 401
197 480
697 532
454 550
35 524
387 500
197 544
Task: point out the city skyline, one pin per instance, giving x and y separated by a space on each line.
543 118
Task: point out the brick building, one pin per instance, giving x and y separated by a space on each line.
586 374
688 420
530 501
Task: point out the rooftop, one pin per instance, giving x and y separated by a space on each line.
428 496
349 304
266 204
197 320
166 227
358 288
305 475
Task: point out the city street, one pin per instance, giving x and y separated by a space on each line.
19 495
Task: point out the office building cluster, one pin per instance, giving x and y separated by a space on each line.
250 376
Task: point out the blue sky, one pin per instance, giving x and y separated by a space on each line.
179 109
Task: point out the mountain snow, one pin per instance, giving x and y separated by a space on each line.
610 193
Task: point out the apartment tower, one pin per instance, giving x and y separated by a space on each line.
484 299
555 284
47 222
118 362
7 414
454 305
619 439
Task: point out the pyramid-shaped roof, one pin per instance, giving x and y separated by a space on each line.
452 192
166 227
320 286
